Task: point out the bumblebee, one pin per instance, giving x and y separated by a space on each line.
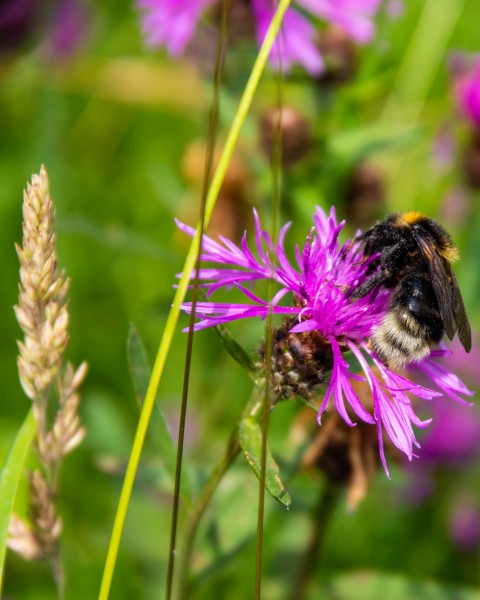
415 257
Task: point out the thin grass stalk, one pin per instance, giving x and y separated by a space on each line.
267 401
179 296
212 135
321 514
198 510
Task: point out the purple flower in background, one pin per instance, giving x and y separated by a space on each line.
465 71
454 436
17 21
296 41
355 17
172 23
316 293
68 28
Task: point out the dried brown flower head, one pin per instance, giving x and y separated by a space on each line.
348 456
295 136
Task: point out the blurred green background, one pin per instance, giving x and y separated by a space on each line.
119 128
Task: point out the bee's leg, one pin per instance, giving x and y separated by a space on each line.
374 282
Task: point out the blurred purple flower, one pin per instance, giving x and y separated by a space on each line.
454 436
17 21
58 26
465 71
395 8
320 290
172 23
296 41
68 28
355 17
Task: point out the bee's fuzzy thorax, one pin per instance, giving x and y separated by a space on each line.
410 218
444 244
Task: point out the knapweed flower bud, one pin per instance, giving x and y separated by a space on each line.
241 24
471 160
464 523
289 128
365 195
232 213
339 57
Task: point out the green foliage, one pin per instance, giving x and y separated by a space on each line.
11 474
250 433
158 429
235 349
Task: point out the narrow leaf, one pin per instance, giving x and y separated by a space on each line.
10 478
158 430
251 441
234 349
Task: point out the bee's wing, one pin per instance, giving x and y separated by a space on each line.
441 277
464 331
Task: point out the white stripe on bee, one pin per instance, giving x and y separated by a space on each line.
395 344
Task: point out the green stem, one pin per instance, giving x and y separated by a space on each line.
183 283
198 510
267 401
320 519
212 134
58 572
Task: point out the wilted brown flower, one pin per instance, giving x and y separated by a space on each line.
471 161
365 195
232 213
294 135
338 51
348 456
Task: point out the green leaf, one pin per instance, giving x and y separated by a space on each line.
10 478
377 586
251 441
158 429
234 349
360 143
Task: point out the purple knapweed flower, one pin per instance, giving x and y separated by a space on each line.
454 437
172 24
316 293
296 41
465 71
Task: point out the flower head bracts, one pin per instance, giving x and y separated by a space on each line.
316 294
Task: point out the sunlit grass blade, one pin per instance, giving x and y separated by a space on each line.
422 59
10 478
167 337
